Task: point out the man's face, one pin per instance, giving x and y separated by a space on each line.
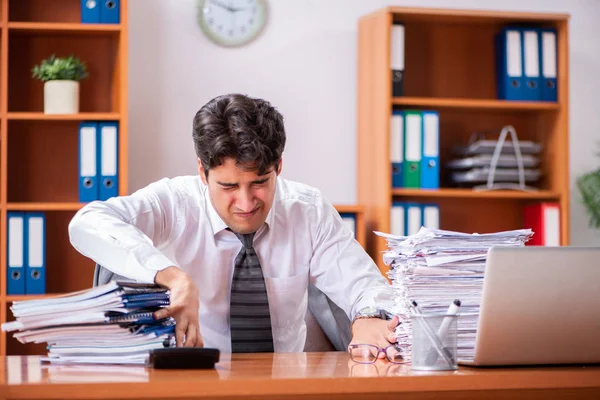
241 198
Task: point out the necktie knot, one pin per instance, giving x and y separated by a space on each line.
246 238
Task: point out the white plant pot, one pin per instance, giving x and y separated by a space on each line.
61 97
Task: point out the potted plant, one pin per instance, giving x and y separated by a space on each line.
61 76
589 187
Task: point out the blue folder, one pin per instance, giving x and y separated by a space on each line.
530 44
430 159
35 233
88 163
17 253
90 11
110 11
397 148
108 156
510 79
549 64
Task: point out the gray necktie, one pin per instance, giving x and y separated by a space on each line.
249 314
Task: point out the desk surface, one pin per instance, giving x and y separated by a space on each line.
311 375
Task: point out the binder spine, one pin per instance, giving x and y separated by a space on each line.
35 281
397 59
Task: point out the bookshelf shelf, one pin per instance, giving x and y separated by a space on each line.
58 206
473 194
449 67
67 28
475 104
39 153
40 116
10 299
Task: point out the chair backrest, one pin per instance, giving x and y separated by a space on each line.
330 332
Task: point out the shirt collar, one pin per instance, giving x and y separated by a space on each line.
218 225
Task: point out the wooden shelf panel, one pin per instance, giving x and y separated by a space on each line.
53 148
68 28
99 92
45 206
475 104
439 15
473 194
85 116
11 298
349 208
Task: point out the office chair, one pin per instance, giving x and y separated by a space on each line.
327 325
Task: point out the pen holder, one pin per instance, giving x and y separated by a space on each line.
434 342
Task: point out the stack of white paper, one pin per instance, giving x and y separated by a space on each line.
109 324
435 267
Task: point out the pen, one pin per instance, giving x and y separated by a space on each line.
452 311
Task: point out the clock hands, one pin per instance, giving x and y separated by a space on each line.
227 7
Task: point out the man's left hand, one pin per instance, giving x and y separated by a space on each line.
375 331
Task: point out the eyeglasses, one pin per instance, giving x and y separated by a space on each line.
368 353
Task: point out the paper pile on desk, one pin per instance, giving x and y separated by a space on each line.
108 324
434 267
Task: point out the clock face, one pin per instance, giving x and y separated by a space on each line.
232 22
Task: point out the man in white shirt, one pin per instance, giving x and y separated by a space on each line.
237 225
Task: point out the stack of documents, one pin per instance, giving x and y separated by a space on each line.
435 267
108 324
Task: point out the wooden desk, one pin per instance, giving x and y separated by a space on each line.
307 375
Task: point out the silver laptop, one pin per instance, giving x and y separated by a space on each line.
540 305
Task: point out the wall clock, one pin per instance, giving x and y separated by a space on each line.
232 23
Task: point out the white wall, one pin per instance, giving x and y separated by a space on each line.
305 64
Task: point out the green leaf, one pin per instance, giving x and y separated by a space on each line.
589 187
60 68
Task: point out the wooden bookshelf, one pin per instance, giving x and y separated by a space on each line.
359 213
39 152
450 68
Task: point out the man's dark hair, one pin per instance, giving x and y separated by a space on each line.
236 126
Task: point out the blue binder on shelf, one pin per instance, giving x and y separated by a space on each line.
88 164
397 224
510 79
531 64
397 148
413 218
90 11
108 150
16 252
350 220
431 216
430 160
549 64
110 11
35 268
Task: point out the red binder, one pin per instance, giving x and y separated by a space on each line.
544 220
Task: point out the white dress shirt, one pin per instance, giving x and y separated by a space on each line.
172 223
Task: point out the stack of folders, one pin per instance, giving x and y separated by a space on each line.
415 149
434 267
98 160
472 163
26 248
526 64
407 218
108 324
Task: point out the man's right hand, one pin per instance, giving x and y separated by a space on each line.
184 305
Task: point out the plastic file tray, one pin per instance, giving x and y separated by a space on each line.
485 160
478 175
